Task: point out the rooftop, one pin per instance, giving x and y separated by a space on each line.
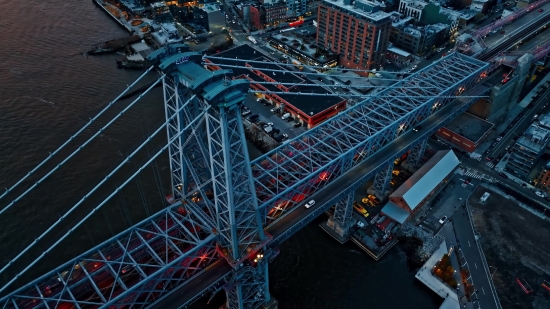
535 138
396 213
427 178
544 121
308 104
210 8
467 14
399 51
304 45
471 127
398 19
362 8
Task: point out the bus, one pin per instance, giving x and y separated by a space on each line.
288 29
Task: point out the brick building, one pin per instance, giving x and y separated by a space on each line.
255 17
309 111
465 132
274 13
357 30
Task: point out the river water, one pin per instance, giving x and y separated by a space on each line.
49 90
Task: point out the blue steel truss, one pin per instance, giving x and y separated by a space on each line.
144 264
285 176
212 176
344 209
332 193
134 268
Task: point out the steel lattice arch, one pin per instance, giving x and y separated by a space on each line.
229 213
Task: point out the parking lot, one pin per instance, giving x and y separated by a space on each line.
265 115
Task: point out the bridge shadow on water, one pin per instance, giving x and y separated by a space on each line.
314 271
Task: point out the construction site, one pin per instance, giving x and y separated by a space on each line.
515 242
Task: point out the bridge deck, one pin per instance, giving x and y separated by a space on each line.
286 175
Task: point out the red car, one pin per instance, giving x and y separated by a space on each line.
540 10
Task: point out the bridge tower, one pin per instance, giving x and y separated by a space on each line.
211 170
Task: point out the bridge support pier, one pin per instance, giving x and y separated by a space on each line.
415 157
341 221
382 182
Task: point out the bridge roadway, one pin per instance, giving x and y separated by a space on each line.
493 40
293 221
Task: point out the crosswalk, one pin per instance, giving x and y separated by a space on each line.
473 175
489 164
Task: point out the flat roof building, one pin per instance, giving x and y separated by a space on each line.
357 30
527 151
414 192
465 131
308 110
303 49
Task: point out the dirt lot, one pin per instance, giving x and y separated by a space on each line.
517 243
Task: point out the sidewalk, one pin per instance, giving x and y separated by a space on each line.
449 234
425 276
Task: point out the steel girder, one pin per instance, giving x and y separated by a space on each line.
130 270
415 157
189 165
238 220
249 287
382 179
369 174
344 208
285 176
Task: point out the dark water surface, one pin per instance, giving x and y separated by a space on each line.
49 90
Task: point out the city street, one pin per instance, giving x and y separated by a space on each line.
471 252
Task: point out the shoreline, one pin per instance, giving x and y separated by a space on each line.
128 28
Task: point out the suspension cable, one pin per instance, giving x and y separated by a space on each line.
159 152
77 150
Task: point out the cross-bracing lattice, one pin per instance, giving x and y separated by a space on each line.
134 268
285 176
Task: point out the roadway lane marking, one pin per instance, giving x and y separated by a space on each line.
483 290
469 243
475 265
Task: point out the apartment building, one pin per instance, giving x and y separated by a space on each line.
358 31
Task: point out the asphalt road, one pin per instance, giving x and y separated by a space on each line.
471 251
535 42
493 39
520 126
194 287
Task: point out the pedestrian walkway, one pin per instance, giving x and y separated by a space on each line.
425 276
473 175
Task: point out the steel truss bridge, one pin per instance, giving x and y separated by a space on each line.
230 213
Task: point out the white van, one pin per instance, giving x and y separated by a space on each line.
285 116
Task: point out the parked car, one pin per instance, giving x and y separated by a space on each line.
539 194
297 124
443 220
275 109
